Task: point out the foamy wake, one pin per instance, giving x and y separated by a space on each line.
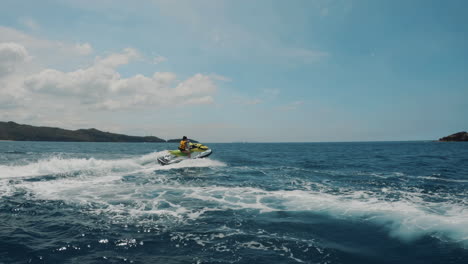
406 219
104 190
76 172
92 166
59 165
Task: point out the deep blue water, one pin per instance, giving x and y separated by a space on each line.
372 202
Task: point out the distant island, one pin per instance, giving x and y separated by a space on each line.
17 132
460 136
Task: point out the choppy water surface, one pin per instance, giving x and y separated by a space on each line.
387 202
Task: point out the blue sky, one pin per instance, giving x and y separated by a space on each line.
224 71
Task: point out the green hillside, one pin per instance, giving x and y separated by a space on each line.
18 132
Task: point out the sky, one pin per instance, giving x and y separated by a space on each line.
238 70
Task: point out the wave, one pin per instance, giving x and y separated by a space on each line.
15 152
385 175
432 178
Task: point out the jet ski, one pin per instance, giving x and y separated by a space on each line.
197 151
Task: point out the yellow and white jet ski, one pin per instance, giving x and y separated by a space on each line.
197 151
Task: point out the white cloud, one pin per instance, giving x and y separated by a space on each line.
47 52
44 92
42 45
84 48
11 55
99 79
199 100
198 84
118 59
102 87
164 78
23 56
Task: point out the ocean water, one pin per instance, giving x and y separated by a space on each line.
372 202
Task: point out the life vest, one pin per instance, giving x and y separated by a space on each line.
183 144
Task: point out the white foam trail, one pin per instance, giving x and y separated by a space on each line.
408 218
90 176
56 165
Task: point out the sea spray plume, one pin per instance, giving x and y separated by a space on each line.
58 164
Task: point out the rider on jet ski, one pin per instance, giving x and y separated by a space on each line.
185 149
184 146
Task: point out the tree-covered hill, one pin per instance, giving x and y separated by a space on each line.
13 131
